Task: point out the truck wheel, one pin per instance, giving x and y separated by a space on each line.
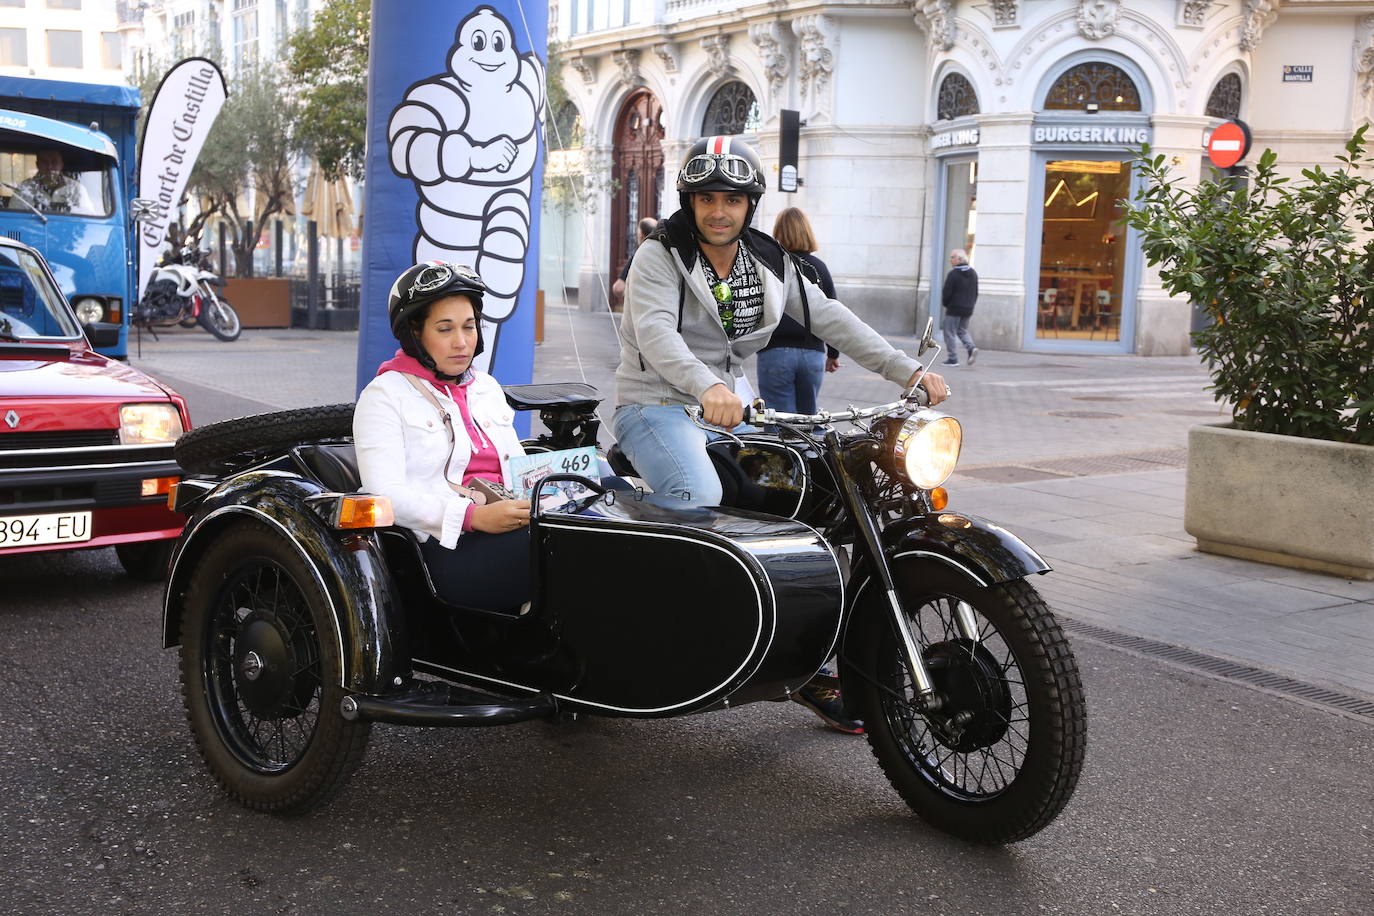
261 670
146 561
218 448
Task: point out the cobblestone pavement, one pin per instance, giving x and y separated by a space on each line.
1083 456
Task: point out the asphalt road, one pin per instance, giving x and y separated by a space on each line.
1199 796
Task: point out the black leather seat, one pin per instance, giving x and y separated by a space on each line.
573 396
335 466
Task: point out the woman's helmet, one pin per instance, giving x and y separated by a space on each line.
417 287
721 164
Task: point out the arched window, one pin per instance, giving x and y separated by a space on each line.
565 132
1224 102
1097 84
957 98
733 110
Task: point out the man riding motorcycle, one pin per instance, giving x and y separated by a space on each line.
704 293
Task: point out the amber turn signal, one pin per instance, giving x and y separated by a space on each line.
172 496
156 486
939 498
364 512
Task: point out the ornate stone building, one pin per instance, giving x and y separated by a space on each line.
1002 126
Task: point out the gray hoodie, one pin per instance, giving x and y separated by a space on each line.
661 365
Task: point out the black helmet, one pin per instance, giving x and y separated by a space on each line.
426 282
721 164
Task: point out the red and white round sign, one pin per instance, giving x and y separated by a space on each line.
1229 144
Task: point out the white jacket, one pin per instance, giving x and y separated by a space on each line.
402 447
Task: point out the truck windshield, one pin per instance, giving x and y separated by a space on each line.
41 180
30 306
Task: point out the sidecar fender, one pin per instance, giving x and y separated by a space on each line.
985 552
350 567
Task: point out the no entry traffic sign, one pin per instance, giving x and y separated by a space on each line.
1229 144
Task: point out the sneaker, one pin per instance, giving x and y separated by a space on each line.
972 356
950 362
826 703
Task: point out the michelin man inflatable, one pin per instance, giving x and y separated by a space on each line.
469 140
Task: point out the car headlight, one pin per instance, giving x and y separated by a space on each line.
927 448
146 424
89 309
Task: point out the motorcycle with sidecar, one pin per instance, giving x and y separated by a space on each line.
303 615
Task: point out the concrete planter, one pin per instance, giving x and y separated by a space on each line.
1304 503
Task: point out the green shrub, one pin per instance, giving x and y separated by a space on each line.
1285 270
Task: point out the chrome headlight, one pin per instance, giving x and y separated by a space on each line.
927 448
89 309
146 424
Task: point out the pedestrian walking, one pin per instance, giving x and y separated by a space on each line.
794 362
958 297
646 226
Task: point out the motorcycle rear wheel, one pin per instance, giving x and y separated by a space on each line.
219 318
260 676
1000 760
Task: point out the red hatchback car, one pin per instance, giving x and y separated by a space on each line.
85 441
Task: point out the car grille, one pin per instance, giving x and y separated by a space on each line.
78 438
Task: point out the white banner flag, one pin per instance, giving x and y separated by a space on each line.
188 100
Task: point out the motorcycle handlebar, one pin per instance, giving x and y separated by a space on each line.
757 414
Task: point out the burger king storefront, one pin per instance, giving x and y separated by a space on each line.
1058 271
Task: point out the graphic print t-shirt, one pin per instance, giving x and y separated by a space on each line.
742 312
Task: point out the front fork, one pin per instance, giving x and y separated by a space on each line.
867 527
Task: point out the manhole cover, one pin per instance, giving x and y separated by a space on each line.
1085 414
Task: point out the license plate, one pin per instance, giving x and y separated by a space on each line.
56 528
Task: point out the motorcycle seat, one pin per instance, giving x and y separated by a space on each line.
574 396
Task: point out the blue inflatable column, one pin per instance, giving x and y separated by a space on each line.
455 162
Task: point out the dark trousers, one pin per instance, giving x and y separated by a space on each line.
489 572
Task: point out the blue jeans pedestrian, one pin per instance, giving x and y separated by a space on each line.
668 450
956 326
790 378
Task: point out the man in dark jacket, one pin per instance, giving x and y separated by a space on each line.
958 297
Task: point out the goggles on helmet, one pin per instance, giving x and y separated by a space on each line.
728 167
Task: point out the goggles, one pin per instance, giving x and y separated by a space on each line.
439 275
728 167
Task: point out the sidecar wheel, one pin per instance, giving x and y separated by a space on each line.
260 673
1001 759
219 448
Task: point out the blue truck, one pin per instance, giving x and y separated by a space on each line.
67 175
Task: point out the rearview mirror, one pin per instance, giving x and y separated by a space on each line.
143 210
927 337
102 334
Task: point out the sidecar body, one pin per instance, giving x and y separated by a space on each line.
638 610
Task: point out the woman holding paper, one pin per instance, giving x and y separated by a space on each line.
435 435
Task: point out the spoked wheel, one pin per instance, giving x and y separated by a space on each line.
219 318
260 675
1000 757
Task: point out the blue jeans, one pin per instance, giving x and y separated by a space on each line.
956 326
790 378
668 450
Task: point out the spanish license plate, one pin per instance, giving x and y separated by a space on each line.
54 528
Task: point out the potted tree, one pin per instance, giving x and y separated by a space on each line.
1285 271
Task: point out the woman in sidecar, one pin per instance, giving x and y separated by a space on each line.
304 614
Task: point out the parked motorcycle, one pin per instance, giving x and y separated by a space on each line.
303 614
182 292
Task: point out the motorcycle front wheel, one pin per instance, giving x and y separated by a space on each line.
219 318
1000 757
260 675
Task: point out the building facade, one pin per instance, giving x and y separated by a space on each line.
1005 127
76 40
